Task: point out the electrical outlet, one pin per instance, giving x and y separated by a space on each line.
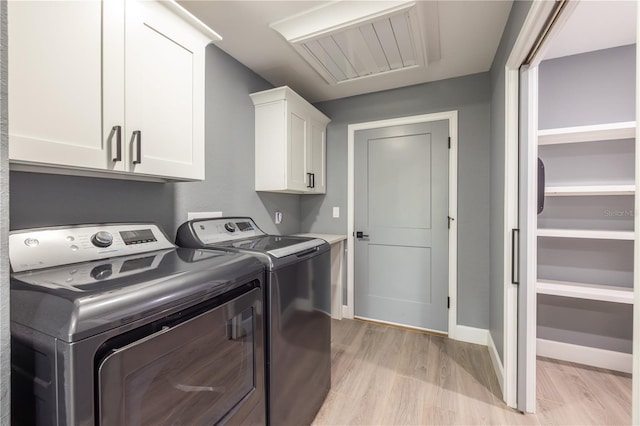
278 218
336 212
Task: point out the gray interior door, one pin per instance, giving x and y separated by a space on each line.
401 211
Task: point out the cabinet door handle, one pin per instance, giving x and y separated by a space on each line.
116 151
309 177
137 151
313 180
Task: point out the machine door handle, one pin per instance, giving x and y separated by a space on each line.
359 234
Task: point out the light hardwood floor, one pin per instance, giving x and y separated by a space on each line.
390 376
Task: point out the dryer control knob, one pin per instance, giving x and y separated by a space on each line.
230 226
102 239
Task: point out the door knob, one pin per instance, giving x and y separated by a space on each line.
359 234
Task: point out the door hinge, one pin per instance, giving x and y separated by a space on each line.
449 142
449 219
448 302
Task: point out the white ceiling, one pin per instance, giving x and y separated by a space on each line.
469 31
595 25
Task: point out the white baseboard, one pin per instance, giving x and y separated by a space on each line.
345 312
479 336
595 357
496 362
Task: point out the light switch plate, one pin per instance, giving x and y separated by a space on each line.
336 212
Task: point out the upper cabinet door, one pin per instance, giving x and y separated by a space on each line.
318 158
298 148
164 97
57 101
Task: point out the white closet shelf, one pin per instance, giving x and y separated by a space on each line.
586 233
581 190
600 132
585 291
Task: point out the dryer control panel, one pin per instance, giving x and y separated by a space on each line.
211 231
46 247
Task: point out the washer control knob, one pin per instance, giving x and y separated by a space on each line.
230 226
101 272
102 239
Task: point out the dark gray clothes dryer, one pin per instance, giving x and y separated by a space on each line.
298 306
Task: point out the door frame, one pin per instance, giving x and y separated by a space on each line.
635 386
532 28
452 118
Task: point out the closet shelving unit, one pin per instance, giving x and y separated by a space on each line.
599 132
586 190
585 233
604 133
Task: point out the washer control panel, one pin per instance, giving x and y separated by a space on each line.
46 247
213 231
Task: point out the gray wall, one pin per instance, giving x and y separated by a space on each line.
591 88
470 96
5 348
41 199
518 13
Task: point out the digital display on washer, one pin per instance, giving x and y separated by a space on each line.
138 236
244 226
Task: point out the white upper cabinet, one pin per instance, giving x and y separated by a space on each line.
290 143
56 102
165 71
92 92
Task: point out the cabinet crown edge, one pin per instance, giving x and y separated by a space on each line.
282 94
208 34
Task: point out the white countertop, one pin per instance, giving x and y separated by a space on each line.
330 238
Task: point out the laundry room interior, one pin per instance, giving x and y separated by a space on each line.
449 187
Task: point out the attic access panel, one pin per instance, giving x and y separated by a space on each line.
344 41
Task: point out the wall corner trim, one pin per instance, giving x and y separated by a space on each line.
463 333
496 362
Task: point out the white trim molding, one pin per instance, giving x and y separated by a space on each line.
635 387
452 117
509 362
495 361
478 336
595 357
531 230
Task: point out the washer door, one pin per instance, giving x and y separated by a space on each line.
200 371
